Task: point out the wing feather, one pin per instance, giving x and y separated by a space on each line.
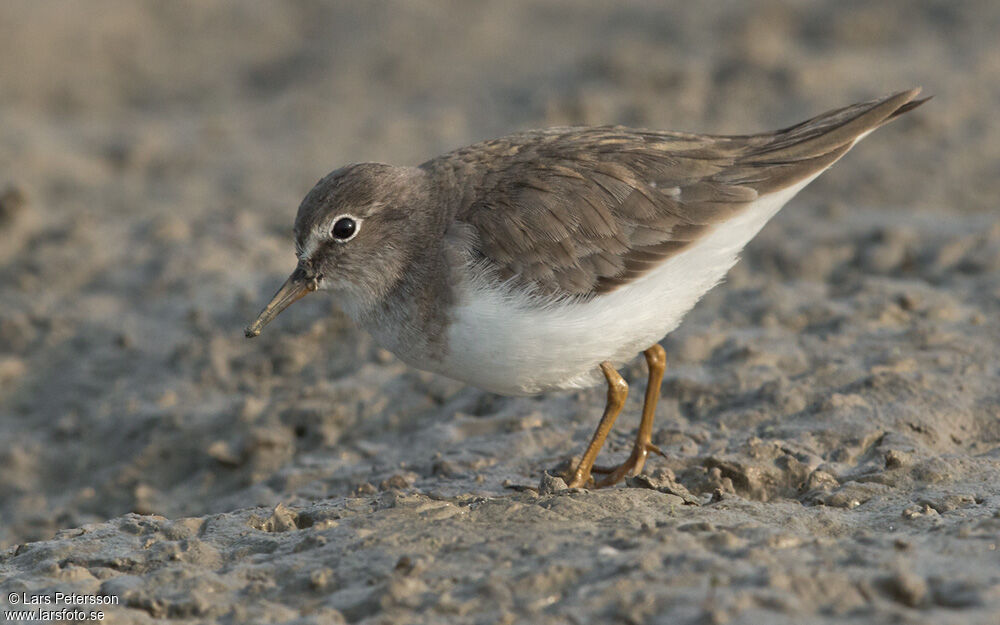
575 212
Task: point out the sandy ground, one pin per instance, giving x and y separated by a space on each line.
831 415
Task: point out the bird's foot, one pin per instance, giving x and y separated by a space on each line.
632 466
579 478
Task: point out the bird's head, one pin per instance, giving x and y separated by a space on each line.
355 233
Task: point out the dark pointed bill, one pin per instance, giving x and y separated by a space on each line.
297 286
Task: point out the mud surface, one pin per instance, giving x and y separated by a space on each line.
830 415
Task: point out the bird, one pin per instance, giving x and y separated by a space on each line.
545 260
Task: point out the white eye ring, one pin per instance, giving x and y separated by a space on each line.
344 228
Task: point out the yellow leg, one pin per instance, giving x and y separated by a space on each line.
656 360
617 392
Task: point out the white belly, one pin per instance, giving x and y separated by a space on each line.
508 344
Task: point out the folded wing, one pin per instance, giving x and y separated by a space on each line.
576 212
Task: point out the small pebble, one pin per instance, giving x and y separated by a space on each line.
551 484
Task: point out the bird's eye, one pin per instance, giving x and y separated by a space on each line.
344 228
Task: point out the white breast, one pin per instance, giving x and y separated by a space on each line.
509 344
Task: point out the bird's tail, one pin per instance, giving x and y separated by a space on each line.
778 159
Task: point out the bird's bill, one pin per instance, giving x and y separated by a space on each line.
297 286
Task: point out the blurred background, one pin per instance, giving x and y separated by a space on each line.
152 156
